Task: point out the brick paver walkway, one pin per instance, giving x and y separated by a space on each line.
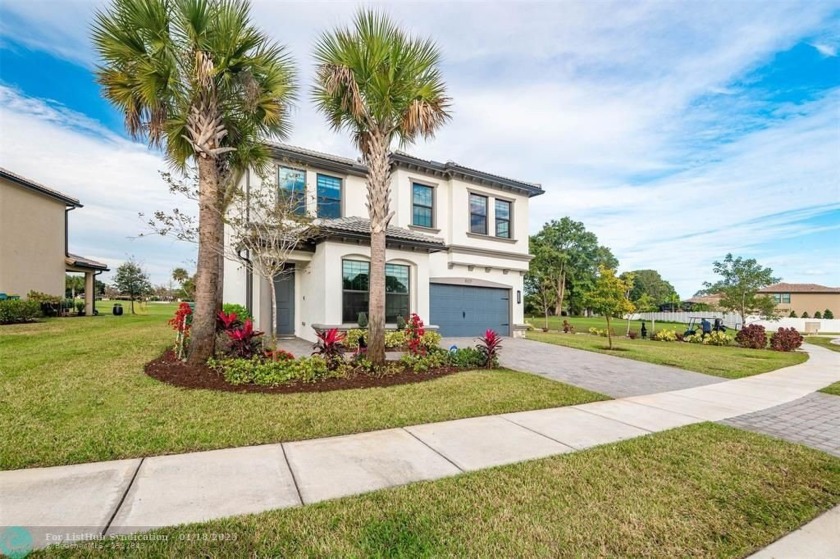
813 421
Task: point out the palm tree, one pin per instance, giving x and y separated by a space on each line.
180 275
197 79
380 85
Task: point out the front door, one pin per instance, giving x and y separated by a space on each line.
284 287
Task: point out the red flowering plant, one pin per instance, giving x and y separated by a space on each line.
181 323
227 321
244 340
330 346
278 355
414 335
489 346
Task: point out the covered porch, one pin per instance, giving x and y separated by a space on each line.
90 268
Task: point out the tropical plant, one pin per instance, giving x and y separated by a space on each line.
665 336
752 336
238 309
489 345
466 358
198 79
380 85
414 332
330 346
717 338
244 340
273 372
227 321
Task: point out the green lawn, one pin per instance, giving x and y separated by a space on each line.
73 390
584 323
727 362
822 342
704 491
832 389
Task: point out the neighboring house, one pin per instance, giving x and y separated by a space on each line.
804 297
457 247
33 240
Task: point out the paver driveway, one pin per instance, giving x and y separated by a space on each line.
613 376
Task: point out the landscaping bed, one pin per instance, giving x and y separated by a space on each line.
171 370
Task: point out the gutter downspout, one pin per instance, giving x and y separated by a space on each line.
94 289
249 274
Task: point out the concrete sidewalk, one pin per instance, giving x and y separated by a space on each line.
127 496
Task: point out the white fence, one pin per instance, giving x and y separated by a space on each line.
733 320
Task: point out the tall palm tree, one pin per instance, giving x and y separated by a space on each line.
197 79
380 85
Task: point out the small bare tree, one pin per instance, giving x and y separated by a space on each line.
266 225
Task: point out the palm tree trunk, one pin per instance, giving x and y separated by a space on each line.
203 336
379 210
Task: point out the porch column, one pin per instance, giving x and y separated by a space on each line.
89 293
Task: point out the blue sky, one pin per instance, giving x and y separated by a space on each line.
676 131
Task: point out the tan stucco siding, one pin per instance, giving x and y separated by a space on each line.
31 241
810 303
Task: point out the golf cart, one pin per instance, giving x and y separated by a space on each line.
705 327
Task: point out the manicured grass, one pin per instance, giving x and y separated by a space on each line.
584 323
701 491
832 389
822 342
727 362
73 390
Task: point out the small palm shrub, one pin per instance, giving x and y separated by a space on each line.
489 346
786 339
752 336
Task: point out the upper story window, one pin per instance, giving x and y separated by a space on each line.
292 183
329 196
781 297
503 219
422 205
478 214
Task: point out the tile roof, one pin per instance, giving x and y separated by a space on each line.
361 226
82 262
799 288
38 187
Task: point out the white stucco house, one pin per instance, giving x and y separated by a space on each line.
457 247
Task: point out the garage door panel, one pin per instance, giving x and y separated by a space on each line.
469 311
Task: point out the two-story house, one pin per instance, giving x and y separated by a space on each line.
457 247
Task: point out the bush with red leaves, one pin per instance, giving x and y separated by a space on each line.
489 346
786 339
752 336
330 346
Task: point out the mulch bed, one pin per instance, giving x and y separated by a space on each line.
171 370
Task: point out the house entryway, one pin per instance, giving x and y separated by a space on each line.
284 287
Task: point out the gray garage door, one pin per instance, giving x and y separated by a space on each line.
469 311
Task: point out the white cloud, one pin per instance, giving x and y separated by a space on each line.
826 49
583 97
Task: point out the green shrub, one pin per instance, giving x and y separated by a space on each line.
664 336
827 314
275 372
422 363
598 332
430 339
40 297
17 310
792 314
694 339
806 315
818 314
718 338
80 307
395 339
466 358
240 310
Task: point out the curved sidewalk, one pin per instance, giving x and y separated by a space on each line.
124 496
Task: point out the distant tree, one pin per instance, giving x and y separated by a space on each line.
540 282
818 314
73 285
132 280
569 255
608 297
828 314
650 282
740 285
645 302
180 275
